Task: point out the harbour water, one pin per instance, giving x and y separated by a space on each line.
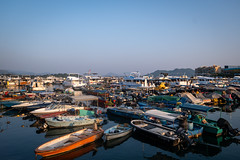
19 140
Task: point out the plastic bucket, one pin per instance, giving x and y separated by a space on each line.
190 126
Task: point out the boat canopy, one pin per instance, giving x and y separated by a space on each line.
162 115
84 98
86 112
195 107
163 98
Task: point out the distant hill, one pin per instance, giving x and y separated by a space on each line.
4 72
14 72
176 72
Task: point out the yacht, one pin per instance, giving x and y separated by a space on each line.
74 80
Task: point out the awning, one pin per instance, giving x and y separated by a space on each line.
195 107
84 98
162 115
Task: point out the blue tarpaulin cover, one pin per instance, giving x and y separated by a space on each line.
195 107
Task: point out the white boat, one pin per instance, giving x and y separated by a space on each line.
33 104
191 98
52 108
70 121
118 131
74 80
37 85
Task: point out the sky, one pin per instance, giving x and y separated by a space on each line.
118 36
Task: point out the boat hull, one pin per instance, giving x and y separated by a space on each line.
141 125
110 136
63 124
117 112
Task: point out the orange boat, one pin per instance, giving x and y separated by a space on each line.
69 142
12 98
77 152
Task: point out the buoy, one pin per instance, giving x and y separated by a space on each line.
22 125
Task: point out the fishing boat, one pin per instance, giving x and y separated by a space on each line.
69 142
174 121
127 112
118 131
170 101
167 135
198 117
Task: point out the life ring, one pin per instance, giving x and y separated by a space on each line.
45 125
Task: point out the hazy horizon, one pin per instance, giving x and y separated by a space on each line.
61 36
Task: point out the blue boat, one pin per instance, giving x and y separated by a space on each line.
127 112
9 103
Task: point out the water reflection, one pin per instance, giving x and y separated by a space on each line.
144 138
230 107
201 147
115 142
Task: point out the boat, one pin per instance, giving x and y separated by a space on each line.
216 128
14 97
69 142
54 107
127 112
37 85
174 121
170 101
78 152
209 126
32 105
9 103
118 131
74 80
167 135
70 121
191 98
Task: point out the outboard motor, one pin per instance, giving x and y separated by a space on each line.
183 123
182 133
227 128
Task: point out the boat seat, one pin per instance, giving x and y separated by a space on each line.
148 127
142 125
158 130
73 139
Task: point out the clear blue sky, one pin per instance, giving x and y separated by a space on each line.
118 35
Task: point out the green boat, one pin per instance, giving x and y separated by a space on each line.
209 126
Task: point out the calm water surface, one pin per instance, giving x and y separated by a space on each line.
19 140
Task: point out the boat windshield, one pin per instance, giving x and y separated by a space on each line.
52 106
